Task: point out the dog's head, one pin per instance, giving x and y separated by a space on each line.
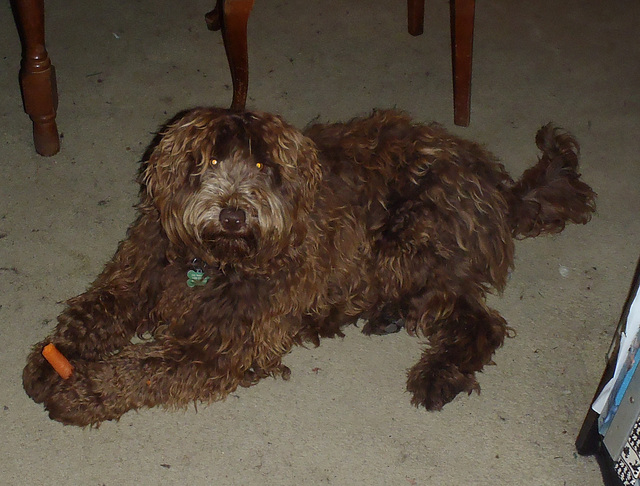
232 186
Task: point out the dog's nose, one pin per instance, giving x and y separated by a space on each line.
232 219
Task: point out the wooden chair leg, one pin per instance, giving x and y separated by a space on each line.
213 18
415 11
462 20
37 76
232 17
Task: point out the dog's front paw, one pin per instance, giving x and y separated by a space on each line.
433 385
38 377
74 401
85 398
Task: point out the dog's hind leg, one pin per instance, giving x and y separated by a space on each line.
463 334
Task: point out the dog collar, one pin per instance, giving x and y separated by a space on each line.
196 276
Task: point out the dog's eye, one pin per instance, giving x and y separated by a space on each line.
213 162
259 165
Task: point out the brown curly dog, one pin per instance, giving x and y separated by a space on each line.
253 237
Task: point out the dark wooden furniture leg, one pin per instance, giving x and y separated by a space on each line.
462 19
232 17
415 10
37 76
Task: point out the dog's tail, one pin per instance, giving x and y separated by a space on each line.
551 194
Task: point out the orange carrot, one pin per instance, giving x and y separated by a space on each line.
57 360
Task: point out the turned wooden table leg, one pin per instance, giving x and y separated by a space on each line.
37 76
232 16
462 19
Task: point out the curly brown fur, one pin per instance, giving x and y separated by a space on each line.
297 235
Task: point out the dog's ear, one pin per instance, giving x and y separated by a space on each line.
179 152
297 157
161 172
